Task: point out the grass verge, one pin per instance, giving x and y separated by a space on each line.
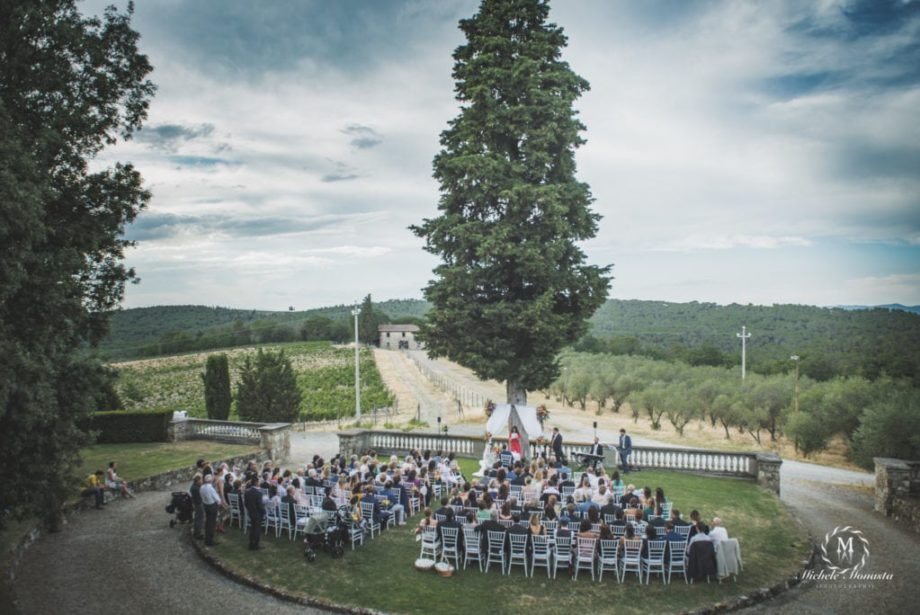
140 460
380 574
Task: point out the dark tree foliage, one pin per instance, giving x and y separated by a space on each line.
216 378
368 320
69 86
267 390
513 287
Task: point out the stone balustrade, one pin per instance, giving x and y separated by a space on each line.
763 467
273 438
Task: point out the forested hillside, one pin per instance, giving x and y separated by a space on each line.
168 329
830 341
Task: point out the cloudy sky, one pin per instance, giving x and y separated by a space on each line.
738 152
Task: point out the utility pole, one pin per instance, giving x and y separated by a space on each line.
796 358
355 313
744 335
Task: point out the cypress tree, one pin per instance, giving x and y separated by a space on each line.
216 378
513 287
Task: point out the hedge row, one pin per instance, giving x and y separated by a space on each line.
126 426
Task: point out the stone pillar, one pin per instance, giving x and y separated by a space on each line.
768 466
892 482
276 440
177 430
352 442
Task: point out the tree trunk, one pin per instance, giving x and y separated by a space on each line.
515 393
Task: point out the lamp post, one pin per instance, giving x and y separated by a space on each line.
439 428
355 312
744 335
796 358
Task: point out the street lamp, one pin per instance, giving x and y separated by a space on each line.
355 312
796 358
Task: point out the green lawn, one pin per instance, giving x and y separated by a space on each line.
148 459
380 575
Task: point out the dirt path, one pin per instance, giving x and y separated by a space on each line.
126 559
417 396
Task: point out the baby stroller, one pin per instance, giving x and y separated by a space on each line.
181 505
329 536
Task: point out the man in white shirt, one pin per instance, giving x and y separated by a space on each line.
718 532
211 501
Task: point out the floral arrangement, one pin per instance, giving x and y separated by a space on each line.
487 436
490 407
444 429
542 412
540 441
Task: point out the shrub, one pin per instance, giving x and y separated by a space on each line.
267 389
216 380
889 427
120 426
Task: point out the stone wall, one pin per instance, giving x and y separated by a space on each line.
768 469
893 495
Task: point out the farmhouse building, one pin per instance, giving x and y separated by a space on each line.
399 337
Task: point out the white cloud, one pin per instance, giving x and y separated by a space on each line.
715 130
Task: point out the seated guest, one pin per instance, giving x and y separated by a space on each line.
702 535
451 522
605 532
675 518
380 515
610 509
396 507
627 496
288 501
650 534
620 518
584 529
648 511
471 520
549 511
442 510
659 500
485 511
601 498
594 516
562 529
696 524
629 534
564 481
490 525
428 520
113 482
505 513
718 532
93 486
536 528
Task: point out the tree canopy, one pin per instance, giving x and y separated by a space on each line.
513 287
69 86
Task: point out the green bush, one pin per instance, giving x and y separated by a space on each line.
121 426
890 427
267 390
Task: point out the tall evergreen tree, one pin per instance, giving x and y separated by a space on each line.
216 378
69 86
368 321
513 287
267 390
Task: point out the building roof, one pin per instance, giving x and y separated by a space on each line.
397 328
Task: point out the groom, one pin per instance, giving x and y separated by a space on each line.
625 450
